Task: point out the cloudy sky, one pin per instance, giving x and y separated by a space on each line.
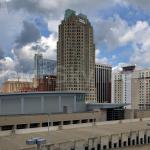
121 31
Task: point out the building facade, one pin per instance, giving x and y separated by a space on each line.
141 89
132 87
127 73
14 86
76 55
103 83
47 83
122 85
42 103
43 66
117 92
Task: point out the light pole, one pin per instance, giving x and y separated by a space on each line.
48 123
38 141
94 119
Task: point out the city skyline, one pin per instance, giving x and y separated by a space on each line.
121 30
74 74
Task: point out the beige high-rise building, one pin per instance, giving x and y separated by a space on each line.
122 83
76 55
132 87
141 89
117 88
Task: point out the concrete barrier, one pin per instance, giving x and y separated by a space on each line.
65 127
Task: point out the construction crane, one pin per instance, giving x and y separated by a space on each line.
38 47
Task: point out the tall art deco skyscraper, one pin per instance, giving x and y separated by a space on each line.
76 55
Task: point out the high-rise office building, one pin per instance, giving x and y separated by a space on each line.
132 86
76 55
103 83
122 85
117 87
141 89
43 66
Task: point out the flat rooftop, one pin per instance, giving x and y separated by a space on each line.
105 105
73 133
43 92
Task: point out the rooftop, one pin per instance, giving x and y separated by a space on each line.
70 12
102 64
43 92
106 105
73 133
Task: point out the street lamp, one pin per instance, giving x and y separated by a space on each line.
94 118
37 140
48 123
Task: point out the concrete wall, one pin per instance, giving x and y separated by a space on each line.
133 114
11 106
40 120
40 103
142 114
129 114
117 141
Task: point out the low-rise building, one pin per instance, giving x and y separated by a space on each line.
47 83
42 102
33 108
16 85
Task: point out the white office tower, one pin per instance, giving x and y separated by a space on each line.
121 85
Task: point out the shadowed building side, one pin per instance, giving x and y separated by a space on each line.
103 83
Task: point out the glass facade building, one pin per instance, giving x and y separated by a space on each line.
43 66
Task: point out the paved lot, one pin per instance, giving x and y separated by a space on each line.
15 142
145 147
